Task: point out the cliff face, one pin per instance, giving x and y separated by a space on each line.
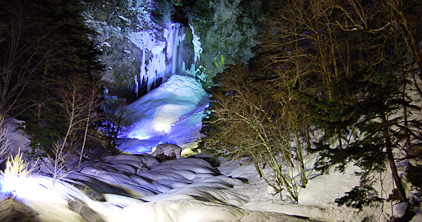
144 42
227 30
116 25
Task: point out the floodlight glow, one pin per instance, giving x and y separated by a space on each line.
166 116
140 135
162 126
33 188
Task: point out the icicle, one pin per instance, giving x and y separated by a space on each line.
142 66
166 56
174 48
136 86
196 45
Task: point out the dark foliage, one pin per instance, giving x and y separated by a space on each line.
51 46
348 68
360 196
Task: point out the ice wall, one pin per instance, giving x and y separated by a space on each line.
160 57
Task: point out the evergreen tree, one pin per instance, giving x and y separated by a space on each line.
58 44
361 99
348 68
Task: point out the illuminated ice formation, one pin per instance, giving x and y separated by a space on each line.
171 113
196 44
163 55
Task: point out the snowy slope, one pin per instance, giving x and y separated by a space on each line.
171 113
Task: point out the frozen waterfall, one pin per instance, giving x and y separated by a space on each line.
160 58
171 112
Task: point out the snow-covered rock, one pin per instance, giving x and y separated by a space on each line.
167 151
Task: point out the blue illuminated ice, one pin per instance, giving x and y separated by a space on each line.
171 113
164 55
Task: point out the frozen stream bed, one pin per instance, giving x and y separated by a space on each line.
140 188
133 188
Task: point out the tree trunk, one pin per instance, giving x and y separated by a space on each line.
88 119
392 163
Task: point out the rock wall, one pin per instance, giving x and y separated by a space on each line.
117 24
227 29
134 36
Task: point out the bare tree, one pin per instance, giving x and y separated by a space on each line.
70 100
22 51
78 96
92 103
251 122
59 170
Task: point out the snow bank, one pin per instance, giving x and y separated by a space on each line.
17 137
